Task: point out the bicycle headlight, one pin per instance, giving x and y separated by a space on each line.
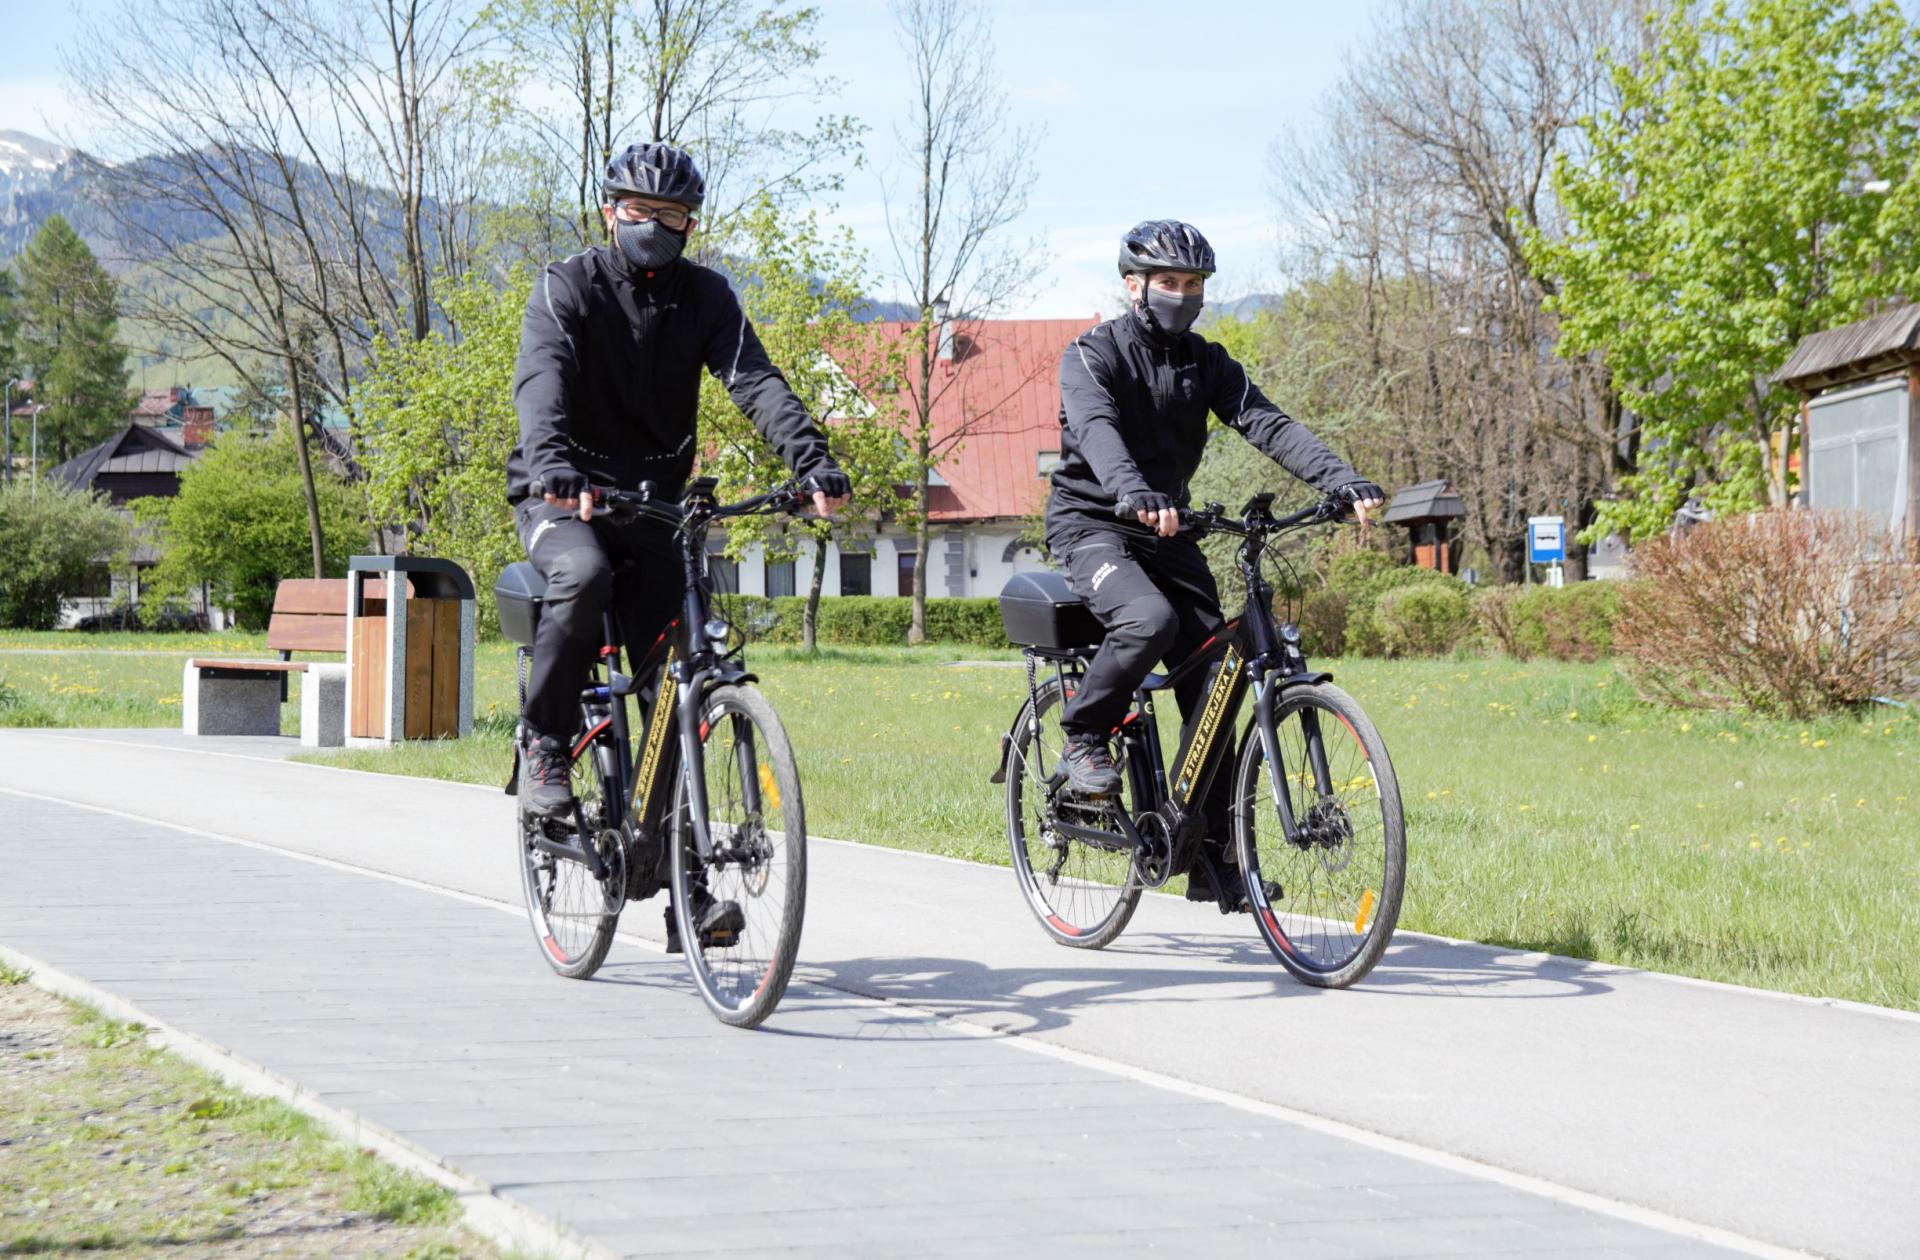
716 630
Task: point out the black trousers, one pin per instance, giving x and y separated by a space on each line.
591 566
1158 601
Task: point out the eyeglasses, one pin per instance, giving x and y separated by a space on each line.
672 217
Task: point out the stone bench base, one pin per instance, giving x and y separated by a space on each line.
227 699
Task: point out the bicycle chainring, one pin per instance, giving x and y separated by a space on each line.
1154 859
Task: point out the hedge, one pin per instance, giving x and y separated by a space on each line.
867 620
1572 623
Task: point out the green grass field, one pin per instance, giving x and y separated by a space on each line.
1547 808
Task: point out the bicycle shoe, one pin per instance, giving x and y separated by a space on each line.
721 923
546 786
1089 766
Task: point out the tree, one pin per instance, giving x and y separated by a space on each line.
799 289
722 78
239 524
10 365
1726 207
968 177
1408 206
68 340
51 537
440 420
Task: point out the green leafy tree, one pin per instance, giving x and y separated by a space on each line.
798 288
51 537
1758 180
239 524
438 420
68 340
9 352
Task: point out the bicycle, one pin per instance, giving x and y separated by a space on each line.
713 809
1322 858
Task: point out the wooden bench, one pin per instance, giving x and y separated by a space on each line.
242 697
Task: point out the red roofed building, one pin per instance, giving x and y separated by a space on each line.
996 414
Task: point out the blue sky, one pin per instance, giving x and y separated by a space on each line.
1148 109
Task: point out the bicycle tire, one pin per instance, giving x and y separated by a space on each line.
1329 930
758 823
1093 904
573 915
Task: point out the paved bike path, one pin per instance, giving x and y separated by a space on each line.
1780 1120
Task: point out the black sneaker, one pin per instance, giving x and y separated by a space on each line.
1213 878
546 782
1089 766
721 923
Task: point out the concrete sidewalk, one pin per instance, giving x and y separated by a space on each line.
1779 1120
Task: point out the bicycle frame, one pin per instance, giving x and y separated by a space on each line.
672 680
1253 653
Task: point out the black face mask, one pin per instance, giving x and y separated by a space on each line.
1173 312
648 246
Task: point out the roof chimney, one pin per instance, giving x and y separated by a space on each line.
943 331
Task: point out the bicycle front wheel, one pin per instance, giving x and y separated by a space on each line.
1320 836
572 913
741 959
1082 894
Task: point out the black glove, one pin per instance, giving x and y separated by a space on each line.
1357 491
1132 504
828 481
561 483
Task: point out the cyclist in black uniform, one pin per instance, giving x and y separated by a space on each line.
607 385
1135 393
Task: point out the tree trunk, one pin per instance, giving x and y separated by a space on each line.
298 393
810 622
917 628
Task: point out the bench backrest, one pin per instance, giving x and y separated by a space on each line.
309 615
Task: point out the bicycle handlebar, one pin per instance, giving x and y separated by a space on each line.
624 506
1254 517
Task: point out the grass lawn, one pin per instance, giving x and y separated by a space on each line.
1547 808
113 1146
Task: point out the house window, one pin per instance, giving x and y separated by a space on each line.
723 574
856 573
779 577
905 559
1046 461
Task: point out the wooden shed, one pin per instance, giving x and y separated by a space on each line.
1859 389
1428 510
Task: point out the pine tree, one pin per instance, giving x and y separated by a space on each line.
67 341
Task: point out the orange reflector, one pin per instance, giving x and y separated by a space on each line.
771 790
1366 912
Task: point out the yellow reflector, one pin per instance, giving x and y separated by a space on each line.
771 790
1366 912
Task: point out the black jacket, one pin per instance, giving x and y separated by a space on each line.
1133 417
608 379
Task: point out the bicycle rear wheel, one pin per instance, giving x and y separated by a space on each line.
759 861
574 914
1326 891
1082 894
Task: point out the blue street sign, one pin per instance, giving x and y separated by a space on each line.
1546 539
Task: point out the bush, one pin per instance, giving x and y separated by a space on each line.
1323 624
1425 619
1573 623
50 540
1784 611
1363 578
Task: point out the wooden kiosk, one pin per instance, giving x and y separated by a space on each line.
1427 510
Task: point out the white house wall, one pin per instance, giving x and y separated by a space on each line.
986 557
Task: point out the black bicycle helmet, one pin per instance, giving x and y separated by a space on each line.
661 171
1165 245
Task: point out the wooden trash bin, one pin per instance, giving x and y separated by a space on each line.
410 635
